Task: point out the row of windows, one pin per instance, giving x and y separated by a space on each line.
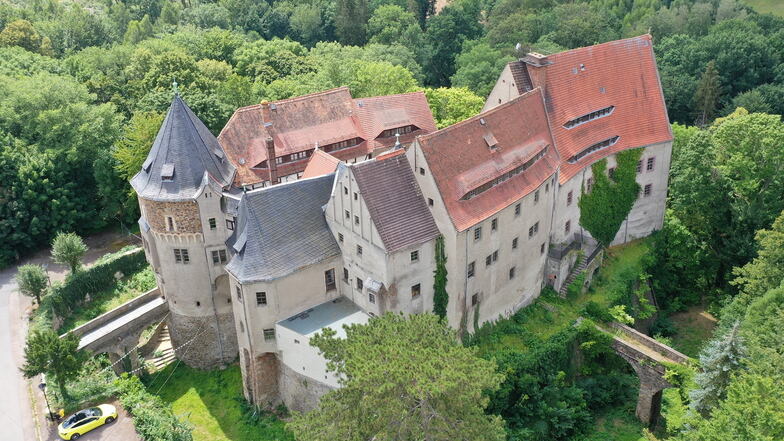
511 173
493 258
589 117
398 130
475 296
650 163
517 211
593 148
171 225
416 290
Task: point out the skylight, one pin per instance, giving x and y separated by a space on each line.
594 148
589 117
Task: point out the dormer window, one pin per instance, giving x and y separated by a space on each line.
167 172
342 144
594 148
491 142
388 133
506 176
572 123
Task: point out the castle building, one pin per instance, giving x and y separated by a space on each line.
324 210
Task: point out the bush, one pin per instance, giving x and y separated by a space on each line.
94 385
66 296
596 312
153 419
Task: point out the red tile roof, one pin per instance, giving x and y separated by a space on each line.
461 160
321 163
297 124
577 82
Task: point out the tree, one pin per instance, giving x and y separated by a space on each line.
706 97
766 271
402 378
440 296
21 33
57 357
380 78
446 32
478 67
68 249
351 20
452 105
32 281
388 23
719 361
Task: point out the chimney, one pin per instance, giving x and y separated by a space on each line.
266 118
536 59
272 166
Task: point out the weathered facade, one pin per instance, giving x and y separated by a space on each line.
324 210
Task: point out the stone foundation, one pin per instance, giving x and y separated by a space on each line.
299 392
212 344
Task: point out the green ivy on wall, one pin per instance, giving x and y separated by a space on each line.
603 210
440 296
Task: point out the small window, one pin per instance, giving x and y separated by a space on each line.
494 224
230 224
415 255
359 250
567 227
222 254
421 171
530 232
474 299
345 274
488 260
470 271
514 243
261 298
198 304
181 255
517 210
360 285
345 190
541 249
430 202
242 327
647 191
215 258
650 164
340 237
536 196
639 166
356 220
477 233
547 187
371 297
415 291
169 223
511 273
238 291
213 224
495 255
348 215
329 279
569 198
356 197
269 334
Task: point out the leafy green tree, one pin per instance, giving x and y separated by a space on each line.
139 30
452 105
446 32
246 14
351 21
170 14
580 24
206 16
478 67
380 78
388 23
68 249
719 360
753 101
21 33
706 97
603 210
766 271
134 146
59 358
307 23
32 281
266 61
402 378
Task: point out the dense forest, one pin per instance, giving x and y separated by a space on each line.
84 86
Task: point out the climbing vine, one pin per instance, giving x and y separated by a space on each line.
440 296
603 210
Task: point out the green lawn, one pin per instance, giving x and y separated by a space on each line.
125 289
616 424
692 329
212 402
763 6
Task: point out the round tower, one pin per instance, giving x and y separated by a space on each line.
184 229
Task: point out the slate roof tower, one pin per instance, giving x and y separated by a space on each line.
180 189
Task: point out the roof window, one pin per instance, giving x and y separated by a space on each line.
593 148
506 176
491 142
167 172
589 117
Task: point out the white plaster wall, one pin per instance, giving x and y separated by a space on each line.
297 353
504 90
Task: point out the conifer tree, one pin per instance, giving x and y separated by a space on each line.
719 361
47 353
351 22
440 296
706 97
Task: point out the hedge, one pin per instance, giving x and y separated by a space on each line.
152 418
73 292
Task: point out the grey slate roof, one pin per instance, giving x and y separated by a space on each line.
182 153
281 229
395 202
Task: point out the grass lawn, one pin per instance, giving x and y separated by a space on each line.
763 6
550 314
693 328
616 424
100 302
212 402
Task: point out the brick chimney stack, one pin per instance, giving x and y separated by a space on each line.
266 118
272 165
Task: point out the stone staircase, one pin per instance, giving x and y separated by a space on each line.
163 353
582 263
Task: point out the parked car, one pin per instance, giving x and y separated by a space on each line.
86 420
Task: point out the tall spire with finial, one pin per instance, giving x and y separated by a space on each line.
397 141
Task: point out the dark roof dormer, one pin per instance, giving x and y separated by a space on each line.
183 153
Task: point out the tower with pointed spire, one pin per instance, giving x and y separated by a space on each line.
181 189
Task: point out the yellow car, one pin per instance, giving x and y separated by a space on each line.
86 420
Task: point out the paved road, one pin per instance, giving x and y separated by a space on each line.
120 430
16 411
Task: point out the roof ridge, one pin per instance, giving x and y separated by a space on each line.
416 92
645 36
312 95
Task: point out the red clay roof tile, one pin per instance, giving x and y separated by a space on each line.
320 163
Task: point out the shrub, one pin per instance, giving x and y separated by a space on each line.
153 419
596 312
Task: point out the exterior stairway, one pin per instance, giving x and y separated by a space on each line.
163 350
582 263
